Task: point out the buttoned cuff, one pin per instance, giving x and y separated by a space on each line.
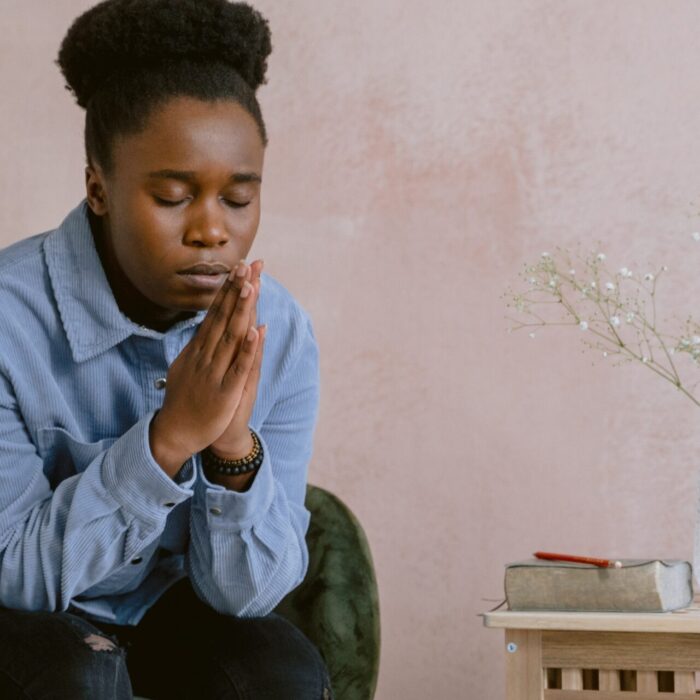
226 509
133 477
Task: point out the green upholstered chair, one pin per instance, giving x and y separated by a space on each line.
337 604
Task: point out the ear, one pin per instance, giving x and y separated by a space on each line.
95 189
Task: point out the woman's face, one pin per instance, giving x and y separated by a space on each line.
185 191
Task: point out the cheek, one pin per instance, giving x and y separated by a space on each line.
247 224
141 247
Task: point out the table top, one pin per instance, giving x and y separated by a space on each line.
686 620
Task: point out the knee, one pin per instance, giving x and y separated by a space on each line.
278 661
95 670
59 655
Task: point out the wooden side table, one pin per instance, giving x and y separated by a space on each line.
600 656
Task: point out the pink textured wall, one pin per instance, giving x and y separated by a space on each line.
420 153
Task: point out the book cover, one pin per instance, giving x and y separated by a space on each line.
639 585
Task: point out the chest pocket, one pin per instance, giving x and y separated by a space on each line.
64 455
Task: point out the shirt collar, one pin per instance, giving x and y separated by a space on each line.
91 318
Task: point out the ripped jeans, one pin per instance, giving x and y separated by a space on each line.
182 649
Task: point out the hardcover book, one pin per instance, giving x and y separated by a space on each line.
639 585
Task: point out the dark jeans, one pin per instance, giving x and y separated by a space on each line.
181 649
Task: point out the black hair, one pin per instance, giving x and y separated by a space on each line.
123 58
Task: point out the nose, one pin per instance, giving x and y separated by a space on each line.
206 226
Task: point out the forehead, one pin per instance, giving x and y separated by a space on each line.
192 135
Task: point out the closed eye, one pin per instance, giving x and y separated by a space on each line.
167 202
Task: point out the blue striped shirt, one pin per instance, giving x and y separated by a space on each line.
88 520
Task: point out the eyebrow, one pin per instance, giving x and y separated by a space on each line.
190 176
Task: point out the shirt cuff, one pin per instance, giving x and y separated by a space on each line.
226 509
133 477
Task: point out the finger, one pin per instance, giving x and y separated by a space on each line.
219 313
235 330
236 376
253 321
257 268
254 375
250 391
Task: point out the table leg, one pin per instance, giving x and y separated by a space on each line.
524 674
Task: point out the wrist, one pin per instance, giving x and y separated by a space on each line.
168 455
240 483
239 449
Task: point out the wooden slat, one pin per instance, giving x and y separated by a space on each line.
684 682
571 679
647 682
615 650
524 671
609 680
597 695
680 621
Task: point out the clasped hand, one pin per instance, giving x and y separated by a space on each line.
212 384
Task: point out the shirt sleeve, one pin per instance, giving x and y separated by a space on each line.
248 549
57 544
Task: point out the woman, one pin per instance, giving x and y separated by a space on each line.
154 441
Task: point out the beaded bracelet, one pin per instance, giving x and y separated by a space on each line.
234 467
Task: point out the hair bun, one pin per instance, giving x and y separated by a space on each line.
125 35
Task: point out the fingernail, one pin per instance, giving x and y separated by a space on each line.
247 287
241 269
251 333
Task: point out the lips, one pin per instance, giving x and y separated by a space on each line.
205 276
206 269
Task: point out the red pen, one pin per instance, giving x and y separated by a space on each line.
602 563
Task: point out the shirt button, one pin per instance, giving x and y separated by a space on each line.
137 560
160 383
215 511
169 504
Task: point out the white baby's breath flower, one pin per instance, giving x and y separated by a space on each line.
605 353
572 272
546 255
630 317
615 320
593 284
695 235
552 283
601 256
665 268
645 359
649 277
583 325
532 280
532 335
610 286
623 271
696 340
